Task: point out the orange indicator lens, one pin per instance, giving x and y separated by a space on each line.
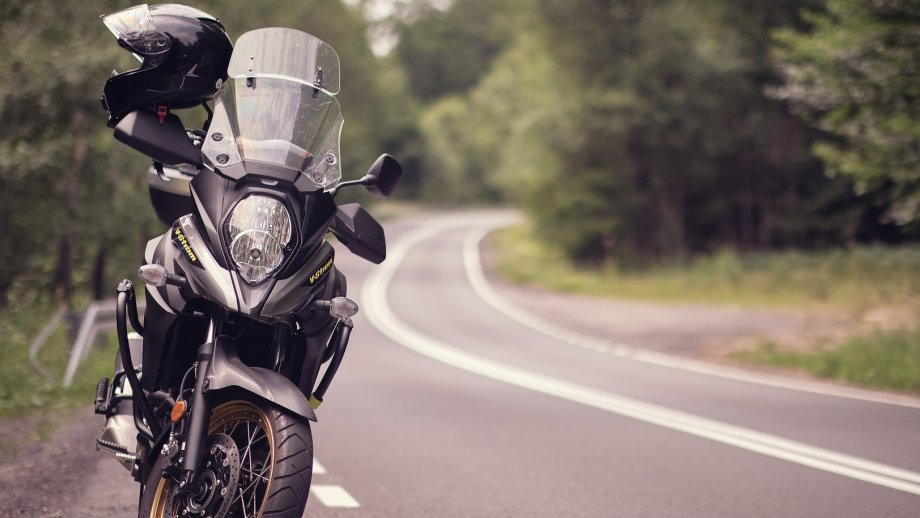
178 410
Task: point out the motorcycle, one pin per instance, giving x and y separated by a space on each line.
213 394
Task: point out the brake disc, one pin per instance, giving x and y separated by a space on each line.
217 482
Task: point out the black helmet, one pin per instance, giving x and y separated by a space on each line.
184 54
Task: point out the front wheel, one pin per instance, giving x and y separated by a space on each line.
259 462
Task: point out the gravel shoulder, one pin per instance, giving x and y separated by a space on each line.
699 331
59 473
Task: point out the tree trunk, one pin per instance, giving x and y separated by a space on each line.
746 197
98 277
64 275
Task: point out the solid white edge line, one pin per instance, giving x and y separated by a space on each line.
472 262
380 315
333 496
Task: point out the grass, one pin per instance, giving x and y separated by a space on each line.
850 281
888 360
22 389
856 280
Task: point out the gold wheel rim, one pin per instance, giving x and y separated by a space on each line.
224 416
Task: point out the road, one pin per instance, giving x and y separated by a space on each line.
453 402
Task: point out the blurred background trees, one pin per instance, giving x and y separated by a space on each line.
654 129
855 76
629 130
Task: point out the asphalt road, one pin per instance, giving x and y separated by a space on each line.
451 407
451 403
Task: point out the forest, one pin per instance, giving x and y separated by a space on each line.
633 131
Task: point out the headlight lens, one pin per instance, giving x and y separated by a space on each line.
259 229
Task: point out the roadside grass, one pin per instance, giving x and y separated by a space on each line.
22 389
889 359
852 281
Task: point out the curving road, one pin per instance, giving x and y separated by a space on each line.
455 402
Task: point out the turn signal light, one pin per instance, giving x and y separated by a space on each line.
178 410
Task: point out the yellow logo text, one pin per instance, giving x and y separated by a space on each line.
322 271
183 242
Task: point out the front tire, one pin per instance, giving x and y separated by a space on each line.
264 453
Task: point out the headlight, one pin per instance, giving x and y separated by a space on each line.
259 229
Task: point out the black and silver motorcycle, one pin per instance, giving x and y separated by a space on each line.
212 396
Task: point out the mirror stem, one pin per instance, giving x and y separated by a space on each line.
366 180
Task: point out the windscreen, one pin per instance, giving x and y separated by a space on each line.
273 109
286 54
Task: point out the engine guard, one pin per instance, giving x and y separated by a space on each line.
226 370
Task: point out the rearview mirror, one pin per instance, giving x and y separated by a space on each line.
166 143
382 177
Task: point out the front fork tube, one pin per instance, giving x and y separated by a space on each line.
197 437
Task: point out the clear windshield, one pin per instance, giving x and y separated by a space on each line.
274 114
286 54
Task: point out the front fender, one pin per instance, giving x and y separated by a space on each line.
226 370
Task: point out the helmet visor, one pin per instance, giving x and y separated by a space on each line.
286 54
136 29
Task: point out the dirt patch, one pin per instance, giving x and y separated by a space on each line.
50 468
701 331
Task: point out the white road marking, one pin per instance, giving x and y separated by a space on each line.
379 313
473 265
333 496
318 469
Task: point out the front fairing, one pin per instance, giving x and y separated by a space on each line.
289 286
274 134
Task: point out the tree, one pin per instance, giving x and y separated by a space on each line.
446 51
855 74
677 135
68 194
637 130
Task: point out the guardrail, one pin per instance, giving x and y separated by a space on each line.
99 316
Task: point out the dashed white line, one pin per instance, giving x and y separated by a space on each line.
318 469
333 496
330 495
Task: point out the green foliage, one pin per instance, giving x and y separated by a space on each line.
66 202
633 130
855 74
446 52
884 360
460 133
22 389
855 280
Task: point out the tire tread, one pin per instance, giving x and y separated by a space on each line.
293 470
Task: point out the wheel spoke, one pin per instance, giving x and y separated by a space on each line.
243 503
248 429
249 435
259 475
